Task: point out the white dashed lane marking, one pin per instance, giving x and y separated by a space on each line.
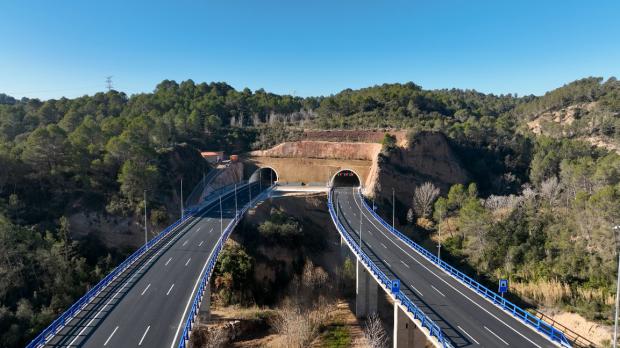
168 293
416 290
468 335
440 293
494 334
144 335
112 334
144 291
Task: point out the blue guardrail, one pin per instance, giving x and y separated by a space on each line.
204 282
538 324
417 313
65 317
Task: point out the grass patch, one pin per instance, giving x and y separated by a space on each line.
336 336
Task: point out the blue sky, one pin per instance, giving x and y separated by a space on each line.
51 49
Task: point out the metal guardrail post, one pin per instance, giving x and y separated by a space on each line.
434 329
68 314
547 329
206 276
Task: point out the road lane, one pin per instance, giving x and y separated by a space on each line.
146 305
460 312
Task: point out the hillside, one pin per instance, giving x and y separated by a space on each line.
73 174
588 122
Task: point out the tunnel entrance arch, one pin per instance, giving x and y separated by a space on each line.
265 175
345 178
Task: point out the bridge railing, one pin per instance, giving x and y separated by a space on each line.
65 317
204 282
418 314
196 193
216 193
75 308
539 325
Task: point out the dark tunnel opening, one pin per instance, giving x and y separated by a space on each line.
266 176
345 178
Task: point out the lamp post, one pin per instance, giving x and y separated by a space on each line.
393 210
439 230
221 218
360 224
182 213
236 209
146 236
617 228
336 200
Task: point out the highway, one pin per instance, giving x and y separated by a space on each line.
148 304
465 317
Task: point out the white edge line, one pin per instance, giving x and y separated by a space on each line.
191 223
455 289
417 322
191 298
133 275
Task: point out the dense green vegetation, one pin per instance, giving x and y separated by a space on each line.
554 239
99 153
279 233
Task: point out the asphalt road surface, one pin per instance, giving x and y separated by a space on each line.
148 304
464 316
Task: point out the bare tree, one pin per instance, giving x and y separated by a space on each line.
528 193
218 337
550 190
410 216
423 199
374 332
495 203
210 336
297 327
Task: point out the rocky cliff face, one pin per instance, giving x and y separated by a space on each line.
323 150
428 158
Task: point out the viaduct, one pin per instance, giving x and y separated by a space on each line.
154 297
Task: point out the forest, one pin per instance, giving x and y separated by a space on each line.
545 201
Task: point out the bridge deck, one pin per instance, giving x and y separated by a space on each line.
466 318
147 305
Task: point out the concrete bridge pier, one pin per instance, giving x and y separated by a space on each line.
365 292
344 249
204 313
406 333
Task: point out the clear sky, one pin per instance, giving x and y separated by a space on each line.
51 49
